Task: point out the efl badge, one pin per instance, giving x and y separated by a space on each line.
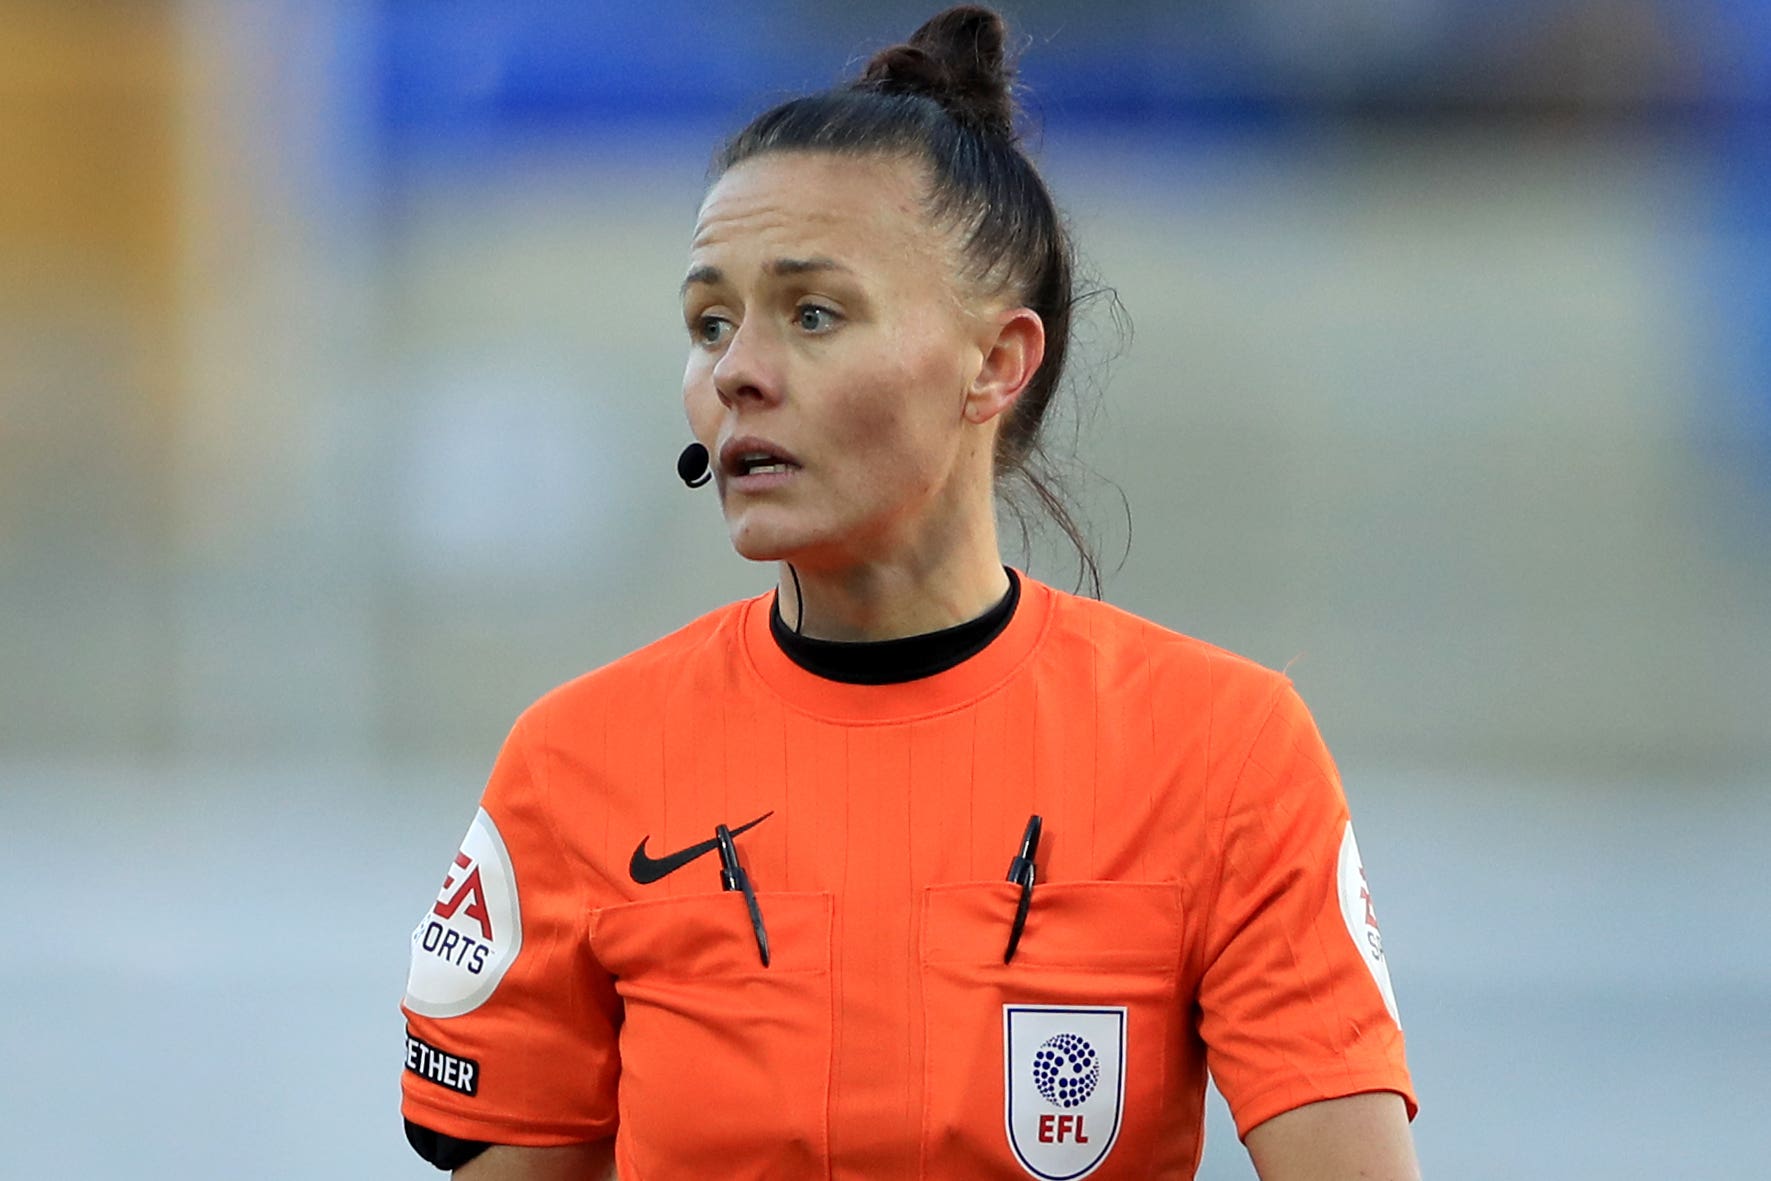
468 938
1065 1089
1361 918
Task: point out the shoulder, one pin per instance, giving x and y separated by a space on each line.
1131 651
652 678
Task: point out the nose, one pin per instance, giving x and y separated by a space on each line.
747 371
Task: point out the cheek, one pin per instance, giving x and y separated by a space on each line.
899 423
870 408
700 402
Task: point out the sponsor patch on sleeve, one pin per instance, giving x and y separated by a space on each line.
466 941
1361 917
447 1070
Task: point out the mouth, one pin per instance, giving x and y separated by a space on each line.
755 462
761 465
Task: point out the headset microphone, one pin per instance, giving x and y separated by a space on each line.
692 466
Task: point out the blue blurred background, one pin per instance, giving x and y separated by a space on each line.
339 361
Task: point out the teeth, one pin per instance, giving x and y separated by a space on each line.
761 463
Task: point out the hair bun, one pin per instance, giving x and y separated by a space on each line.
956 59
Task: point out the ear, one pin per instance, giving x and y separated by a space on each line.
1013 349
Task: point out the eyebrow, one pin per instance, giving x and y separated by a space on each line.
780 267
805 266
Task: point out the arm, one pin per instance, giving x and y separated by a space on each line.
1356 1138
511 1023
1295 1006
575 1162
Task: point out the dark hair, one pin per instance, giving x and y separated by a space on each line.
944 97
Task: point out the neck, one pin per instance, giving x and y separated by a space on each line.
887 600
928 571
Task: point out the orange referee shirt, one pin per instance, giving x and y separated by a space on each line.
1199 903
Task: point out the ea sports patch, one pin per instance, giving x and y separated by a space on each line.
467 940
1065 1086
1361 917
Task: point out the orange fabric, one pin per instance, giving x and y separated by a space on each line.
1187 872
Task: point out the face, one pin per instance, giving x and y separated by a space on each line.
830 356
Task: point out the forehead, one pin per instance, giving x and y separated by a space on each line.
858 209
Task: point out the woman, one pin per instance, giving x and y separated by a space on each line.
735 905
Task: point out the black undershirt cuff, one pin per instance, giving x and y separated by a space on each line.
445 1152
892 662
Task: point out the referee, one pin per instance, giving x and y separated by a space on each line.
913 867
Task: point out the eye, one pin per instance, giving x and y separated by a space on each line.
709 330
815 318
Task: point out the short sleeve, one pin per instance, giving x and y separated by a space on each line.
510 1022
1295 998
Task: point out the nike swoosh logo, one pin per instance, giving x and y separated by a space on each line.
646 870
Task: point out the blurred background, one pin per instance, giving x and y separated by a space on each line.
339 370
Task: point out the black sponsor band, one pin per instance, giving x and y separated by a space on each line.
456 1073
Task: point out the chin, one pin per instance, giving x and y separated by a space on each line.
767 541
779 533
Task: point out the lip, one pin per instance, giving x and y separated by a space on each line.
734 449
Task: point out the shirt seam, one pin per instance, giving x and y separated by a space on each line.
1212 917
563 851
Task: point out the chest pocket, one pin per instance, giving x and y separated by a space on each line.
725 1064
1057 1064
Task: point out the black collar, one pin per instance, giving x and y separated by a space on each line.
890 662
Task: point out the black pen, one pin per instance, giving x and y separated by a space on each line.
1021 871
733 877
